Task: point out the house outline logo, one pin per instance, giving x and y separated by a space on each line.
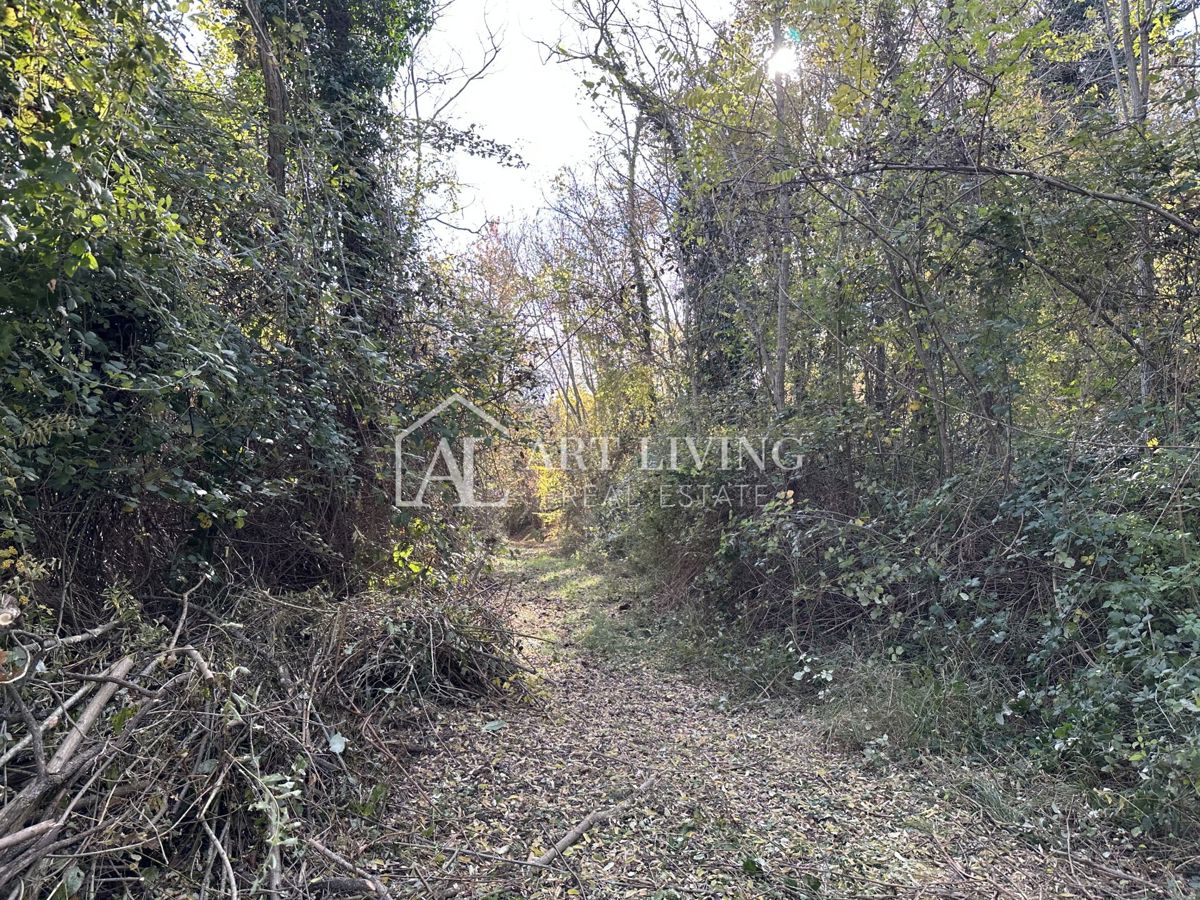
460 473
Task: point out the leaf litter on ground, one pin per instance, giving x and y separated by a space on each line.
744 802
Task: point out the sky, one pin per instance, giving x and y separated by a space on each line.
527 99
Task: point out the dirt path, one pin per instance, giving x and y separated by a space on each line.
742 804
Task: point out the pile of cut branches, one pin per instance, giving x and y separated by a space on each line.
217 749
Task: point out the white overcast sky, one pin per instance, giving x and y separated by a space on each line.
527 100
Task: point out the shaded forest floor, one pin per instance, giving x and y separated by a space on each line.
720 800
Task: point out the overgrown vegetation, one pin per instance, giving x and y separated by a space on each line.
946 252
215 307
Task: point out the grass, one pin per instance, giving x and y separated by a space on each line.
622 623
749 804
871 705
881 708
911 707
568 575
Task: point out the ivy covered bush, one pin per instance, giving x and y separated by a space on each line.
207 340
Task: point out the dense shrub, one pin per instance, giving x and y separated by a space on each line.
1055 602
202 368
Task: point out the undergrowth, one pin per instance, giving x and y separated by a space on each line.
886 711
954 717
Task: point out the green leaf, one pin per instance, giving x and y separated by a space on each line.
754 866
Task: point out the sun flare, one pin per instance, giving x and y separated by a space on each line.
783 61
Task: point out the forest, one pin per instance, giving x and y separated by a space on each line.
800 500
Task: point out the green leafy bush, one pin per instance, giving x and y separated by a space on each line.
197 371
1055 604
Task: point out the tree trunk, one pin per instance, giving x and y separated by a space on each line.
783 272
276 100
